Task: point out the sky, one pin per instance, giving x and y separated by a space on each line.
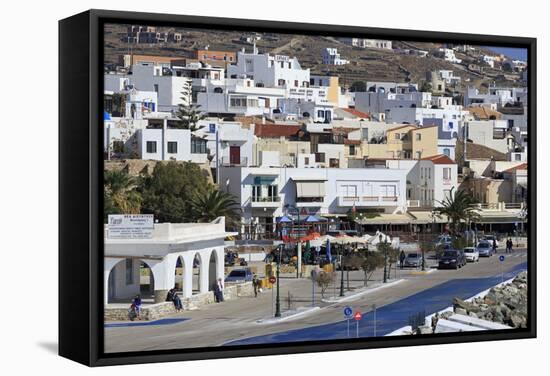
514 53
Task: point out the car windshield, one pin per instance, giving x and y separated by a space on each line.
489 237
468 250
237 273
483 245
450 254
412 255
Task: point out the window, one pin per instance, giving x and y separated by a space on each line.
320 157
352 150
237 102
421 172
397 136
387 190
282 64
418 154
447 152
198 146
296 83
429 171
129 272
334 163
156 86
306 161
418 136
517 157
281 82
447 173
151 146
172 147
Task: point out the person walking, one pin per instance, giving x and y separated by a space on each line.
494 246
255 284
402 257
218 291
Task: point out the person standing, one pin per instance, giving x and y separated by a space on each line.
218 291
255 284
402 257
494 246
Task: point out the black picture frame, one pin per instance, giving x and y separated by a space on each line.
80 186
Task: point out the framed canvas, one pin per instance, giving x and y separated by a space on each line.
234 187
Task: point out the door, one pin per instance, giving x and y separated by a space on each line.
234 155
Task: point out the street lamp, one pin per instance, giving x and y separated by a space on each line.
385 257
298 247
341 271
422 248
278 297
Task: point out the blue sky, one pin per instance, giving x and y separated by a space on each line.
514 53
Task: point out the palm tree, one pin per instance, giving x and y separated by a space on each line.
458 207
120 192
212 203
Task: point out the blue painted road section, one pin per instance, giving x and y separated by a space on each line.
145 323
392 316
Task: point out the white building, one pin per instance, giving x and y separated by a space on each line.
449 55
331 56
148 77
269 71
266 193
190 246
234 143
368 43
164 144
429 180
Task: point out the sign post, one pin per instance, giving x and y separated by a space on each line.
501 259
357 316
272 280
348 314
313 280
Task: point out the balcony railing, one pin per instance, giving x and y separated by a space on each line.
265 199
232 161
366 200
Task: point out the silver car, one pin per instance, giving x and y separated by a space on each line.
413 260
484 249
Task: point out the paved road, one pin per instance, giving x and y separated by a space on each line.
232 321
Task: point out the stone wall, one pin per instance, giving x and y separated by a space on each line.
159 310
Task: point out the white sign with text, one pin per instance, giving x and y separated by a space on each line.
131 226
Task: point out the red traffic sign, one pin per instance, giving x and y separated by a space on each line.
357 316
272 279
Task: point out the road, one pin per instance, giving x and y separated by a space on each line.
234 322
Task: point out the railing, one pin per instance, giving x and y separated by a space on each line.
266 199
370 198
499 206
389 198
350 198
229 161
413 203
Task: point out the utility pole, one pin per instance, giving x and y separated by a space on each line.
278 296
342 273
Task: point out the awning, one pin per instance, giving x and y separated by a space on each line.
310 189
386 219
425 217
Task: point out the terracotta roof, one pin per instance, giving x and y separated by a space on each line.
275 130
522 166
439 159
359 114
352 142
484 113
343 131
401 126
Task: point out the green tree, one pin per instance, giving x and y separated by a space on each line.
358 86
120 193
324 279
167 191
458 207
371 261
188 112
211 203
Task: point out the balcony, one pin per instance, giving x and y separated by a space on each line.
366 201
265 201
309 202
234 162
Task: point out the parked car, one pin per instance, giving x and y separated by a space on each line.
472 255
484 249
490 239
454 259
413 259
239 275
